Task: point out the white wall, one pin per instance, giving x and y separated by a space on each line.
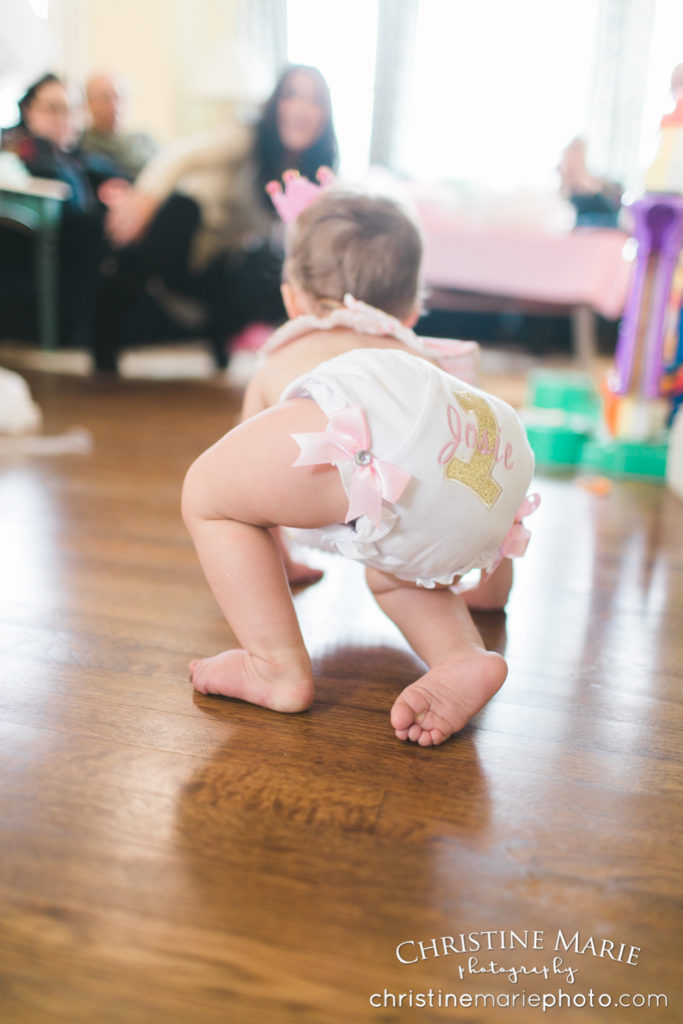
160 46
134 37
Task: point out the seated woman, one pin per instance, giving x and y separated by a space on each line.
236 252
45 142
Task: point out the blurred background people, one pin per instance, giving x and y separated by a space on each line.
45 140
235 255
597 202
105 97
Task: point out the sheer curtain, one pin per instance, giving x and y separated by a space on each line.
396 27
262 24
619 87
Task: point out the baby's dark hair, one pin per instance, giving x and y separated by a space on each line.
348 242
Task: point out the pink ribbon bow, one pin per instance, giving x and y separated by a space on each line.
347 439
517 538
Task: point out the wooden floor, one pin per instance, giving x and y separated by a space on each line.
167 858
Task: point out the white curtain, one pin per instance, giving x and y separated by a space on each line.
396 27
263 26
619 80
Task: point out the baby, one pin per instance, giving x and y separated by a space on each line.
353 435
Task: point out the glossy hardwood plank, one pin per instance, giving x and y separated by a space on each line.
171 857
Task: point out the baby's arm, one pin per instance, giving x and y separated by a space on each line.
268 383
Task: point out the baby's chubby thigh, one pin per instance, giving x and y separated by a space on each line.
249 474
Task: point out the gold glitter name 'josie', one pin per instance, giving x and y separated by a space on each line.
483 441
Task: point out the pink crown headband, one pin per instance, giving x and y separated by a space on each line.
299 192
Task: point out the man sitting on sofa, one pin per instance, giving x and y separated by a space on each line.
105 102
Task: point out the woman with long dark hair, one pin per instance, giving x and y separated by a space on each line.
298 110
236 253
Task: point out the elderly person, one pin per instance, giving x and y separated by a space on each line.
45 141
105 98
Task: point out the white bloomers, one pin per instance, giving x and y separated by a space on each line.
467 454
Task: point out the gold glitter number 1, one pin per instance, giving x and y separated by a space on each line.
476 474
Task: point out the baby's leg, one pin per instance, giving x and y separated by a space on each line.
490 594
462 676
298 573
233 495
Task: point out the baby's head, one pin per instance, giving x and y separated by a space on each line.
347 242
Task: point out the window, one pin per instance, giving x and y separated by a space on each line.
492 91
341 40
666 51
498 89
26 51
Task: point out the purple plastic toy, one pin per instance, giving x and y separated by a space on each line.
659 233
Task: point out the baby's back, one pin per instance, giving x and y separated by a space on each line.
304 354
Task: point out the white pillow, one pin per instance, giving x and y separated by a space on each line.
19 414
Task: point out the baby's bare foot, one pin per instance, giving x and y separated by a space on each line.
442 702
237 673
